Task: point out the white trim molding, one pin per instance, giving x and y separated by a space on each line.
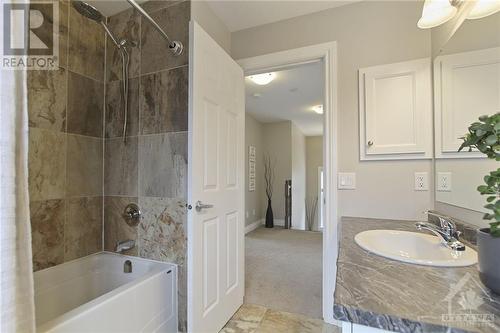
251 227
326 52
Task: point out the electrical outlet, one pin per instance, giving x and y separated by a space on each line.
443 182
421 181
347 181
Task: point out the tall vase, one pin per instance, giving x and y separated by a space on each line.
269 215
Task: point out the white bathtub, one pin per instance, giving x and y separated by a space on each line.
93 294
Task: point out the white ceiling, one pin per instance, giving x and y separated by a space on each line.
243 14
111 7
289 96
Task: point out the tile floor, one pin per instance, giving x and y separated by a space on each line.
258 319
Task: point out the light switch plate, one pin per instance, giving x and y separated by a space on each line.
421 181
443 182
347 181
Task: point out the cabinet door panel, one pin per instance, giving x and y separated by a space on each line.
395 111
467 86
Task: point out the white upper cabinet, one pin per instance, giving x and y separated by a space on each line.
395 111
466 86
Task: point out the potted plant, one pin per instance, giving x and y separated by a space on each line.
269 179
485 137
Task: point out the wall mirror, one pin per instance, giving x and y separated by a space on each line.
466 86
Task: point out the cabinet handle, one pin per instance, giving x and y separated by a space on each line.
370 143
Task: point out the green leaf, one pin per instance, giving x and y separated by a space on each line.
491 139
490 199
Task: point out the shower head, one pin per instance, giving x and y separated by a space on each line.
88 11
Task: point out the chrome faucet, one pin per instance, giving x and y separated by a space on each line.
447 232
124 245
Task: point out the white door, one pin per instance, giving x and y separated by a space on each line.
216 155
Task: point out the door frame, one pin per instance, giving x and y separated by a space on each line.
321 201
326 52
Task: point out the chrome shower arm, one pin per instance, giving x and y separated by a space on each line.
175 46
110 34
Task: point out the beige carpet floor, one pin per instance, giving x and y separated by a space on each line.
283 270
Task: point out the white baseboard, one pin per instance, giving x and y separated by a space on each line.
253 226
256 224
280 223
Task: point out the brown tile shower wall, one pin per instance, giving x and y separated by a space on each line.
150 169
66 145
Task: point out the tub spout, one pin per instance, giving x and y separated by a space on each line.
127 266
125 245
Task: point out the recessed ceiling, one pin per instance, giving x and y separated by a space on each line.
290 96
238 15
111 7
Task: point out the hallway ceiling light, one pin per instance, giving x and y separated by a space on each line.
262 79
484 8
318 109
436 12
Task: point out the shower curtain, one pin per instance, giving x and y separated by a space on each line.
16 273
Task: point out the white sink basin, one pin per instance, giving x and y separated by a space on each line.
414 248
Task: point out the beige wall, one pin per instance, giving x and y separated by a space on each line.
366 37
254 205
314 159
298 178
278 144
207 19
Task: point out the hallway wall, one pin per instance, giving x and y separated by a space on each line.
365 37
314 158
254 205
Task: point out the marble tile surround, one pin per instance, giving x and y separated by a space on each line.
47 99
84 166
120 167
65 170
163 165
161 235
83 227
155 55
47 232
46 164
85 105
114 109
125 25
86 46
163 101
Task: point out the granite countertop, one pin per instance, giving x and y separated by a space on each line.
395 296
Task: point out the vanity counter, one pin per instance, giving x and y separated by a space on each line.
382 293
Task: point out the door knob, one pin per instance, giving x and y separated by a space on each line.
199 206
370 143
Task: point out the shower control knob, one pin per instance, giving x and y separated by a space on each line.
132 214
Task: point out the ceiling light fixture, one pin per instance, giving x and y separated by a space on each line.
484 8
436 12
262 79
318 109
